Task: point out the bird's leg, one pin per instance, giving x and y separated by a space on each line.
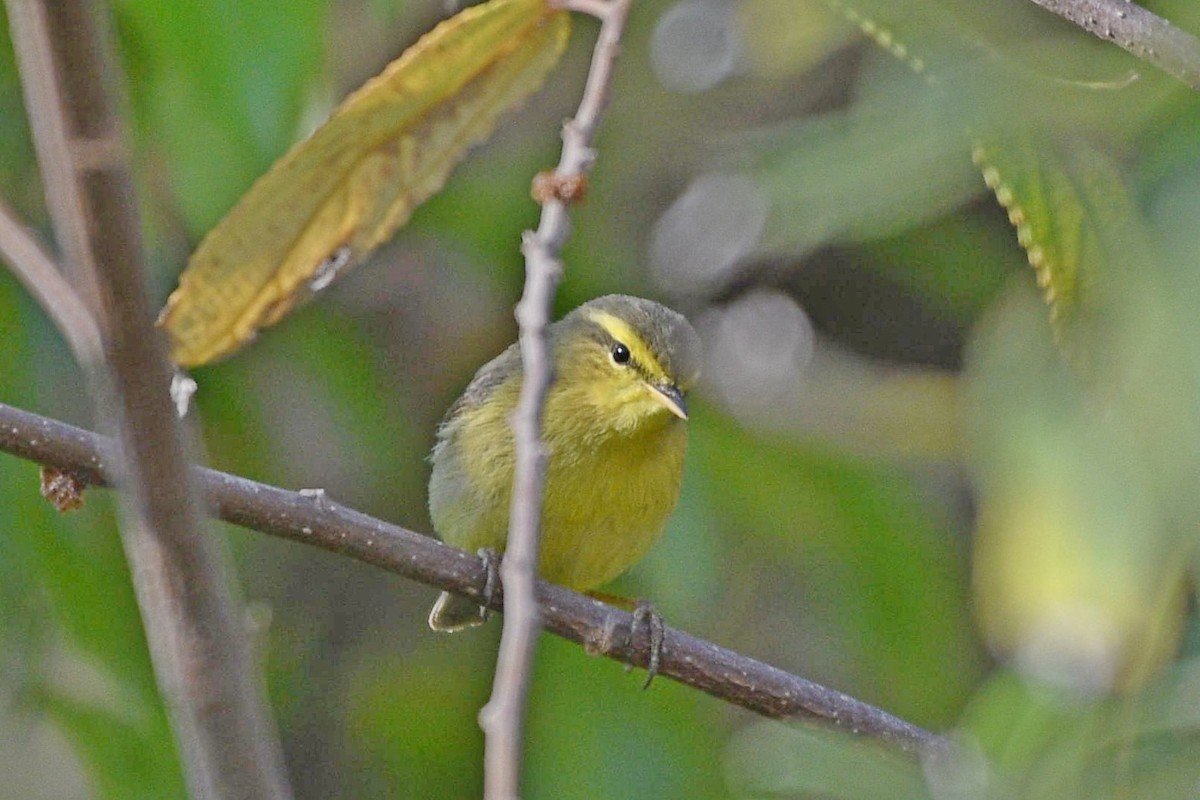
491 563
644 613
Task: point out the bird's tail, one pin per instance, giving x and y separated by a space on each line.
454 612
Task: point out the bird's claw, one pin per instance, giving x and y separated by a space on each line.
644 613
491 563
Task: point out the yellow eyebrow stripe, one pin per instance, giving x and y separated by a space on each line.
625 333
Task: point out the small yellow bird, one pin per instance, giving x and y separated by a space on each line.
615 427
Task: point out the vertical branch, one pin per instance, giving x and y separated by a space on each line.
503 718
197 639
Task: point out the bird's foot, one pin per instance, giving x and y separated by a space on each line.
644 613
491 563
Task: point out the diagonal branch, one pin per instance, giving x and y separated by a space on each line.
40 276
1147 36
503 718
602 629
197 642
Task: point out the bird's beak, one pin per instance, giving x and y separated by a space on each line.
671 397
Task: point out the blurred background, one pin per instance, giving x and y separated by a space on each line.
921 471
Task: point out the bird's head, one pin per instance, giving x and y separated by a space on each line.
631 361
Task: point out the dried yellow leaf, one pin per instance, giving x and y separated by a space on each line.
336 196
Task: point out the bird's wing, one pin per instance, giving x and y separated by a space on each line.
485 382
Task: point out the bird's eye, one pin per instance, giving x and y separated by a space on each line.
620 353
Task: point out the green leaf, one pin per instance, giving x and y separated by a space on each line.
338 195
1073 216
891 161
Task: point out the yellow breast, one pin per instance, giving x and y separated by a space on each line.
607 497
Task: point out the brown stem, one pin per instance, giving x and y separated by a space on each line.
503 718
1145 35
41 277
322 523
194 629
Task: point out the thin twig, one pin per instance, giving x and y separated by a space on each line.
40 276
197 639
503 718
323 523
1145 35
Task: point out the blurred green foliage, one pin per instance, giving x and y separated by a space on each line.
938 501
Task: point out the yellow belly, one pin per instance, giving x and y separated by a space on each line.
600 516
605 502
